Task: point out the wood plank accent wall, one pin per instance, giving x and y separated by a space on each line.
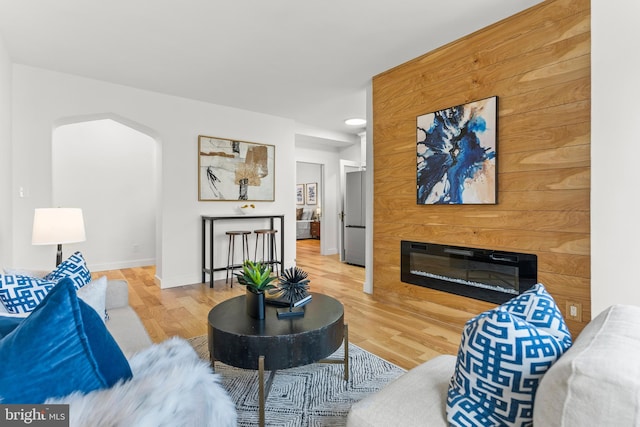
538 64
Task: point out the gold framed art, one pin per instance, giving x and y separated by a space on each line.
232 170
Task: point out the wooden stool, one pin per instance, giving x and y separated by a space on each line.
231 254
272 250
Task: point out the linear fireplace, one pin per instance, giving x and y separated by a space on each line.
484 274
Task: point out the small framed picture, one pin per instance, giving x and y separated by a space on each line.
312 193
299 194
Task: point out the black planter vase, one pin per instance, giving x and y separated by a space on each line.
255 304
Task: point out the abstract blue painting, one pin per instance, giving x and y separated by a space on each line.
456 154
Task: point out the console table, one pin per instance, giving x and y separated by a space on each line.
211 220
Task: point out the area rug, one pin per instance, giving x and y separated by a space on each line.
311 395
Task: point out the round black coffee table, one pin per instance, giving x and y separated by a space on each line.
270 344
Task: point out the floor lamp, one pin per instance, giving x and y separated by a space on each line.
57 226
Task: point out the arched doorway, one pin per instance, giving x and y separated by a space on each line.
110 168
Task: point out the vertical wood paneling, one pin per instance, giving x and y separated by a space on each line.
538 64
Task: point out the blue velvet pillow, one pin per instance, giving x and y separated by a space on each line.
8 324
503 355
62 347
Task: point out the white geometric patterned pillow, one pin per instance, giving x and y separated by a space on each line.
21 294
538 307
74 268
38 274
502 358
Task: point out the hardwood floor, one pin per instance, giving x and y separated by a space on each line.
387 327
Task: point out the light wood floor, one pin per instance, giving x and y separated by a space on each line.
388 328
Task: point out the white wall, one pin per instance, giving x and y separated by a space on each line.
6 255
356 152
42 99
108 170
615 152
368 147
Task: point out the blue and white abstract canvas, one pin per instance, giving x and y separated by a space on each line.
456 154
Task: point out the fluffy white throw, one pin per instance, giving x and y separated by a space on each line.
171 386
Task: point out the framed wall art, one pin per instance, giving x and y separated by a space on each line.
312 193
299 194
235 170
456 154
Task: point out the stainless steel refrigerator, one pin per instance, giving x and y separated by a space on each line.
354 218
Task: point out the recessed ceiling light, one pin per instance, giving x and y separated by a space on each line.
355 122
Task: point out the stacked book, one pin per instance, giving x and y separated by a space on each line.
277 299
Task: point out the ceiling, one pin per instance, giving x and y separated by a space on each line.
308 60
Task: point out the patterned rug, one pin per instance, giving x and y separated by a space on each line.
311 395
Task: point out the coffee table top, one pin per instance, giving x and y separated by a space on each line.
239 340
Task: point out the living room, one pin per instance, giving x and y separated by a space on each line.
584 227
168 116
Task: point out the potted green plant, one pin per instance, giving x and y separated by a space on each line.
293 286
256 276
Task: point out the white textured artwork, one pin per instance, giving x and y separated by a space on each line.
235 170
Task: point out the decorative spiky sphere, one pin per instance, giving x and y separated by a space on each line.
293 284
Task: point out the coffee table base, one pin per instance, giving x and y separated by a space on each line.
264 389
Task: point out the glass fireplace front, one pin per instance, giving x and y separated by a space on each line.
485 274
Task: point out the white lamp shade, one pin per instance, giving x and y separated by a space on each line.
52 226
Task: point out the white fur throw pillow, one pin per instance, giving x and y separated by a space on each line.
171 387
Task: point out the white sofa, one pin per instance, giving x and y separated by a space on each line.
595 383
171 385
304 218
123 323
303 229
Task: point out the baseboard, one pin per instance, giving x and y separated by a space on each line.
119 265
331 251
173 282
